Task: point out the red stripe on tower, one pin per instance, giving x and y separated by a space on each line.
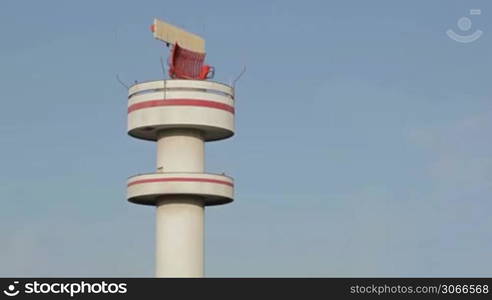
180 102
180 179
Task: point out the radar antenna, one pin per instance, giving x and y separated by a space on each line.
187 58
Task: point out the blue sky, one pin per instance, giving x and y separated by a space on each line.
362 146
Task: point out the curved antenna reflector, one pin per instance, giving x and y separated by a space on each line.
171 34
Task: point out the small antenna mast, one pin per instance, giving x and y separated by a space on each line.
121 82
163 68
238 77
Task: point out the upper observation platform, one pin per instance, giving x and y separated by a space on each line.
207 106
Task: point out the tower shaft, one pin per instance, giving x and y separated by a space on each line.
179 218
179 236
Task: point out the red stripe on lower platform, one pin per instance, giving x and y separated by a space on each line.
180 179
180 102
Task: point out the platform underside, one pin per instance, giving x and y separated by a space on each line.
210 133
208 200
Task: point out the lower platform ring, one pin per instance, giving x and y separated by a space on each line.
147 189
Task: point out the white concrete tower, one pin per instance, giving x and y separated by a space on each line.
180 115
